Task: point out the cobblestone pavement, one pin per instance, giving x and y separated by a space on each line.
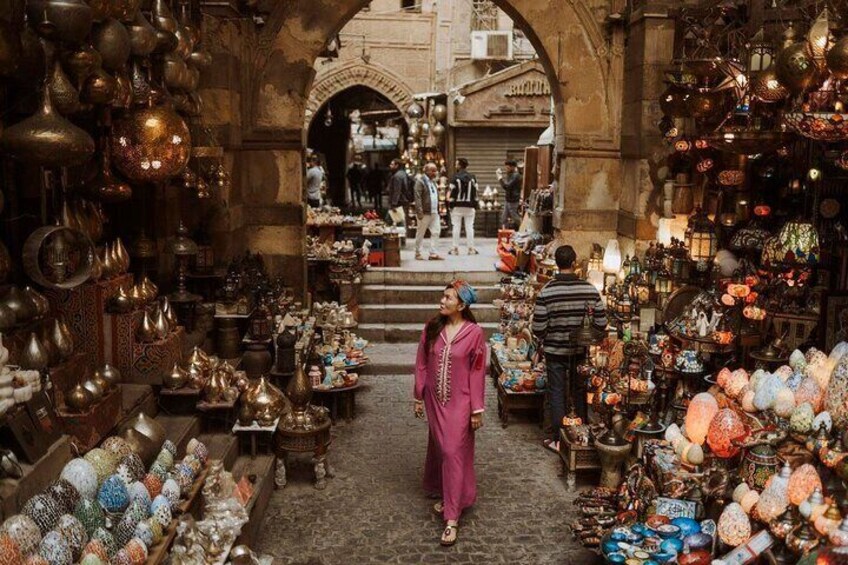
374 510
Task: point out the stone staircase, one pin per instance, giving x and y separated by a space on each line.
394 305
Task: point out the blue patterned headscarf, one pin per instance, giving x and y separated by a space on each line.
465 292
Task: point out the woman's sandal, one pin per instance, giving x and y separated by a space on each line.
449 535
439 507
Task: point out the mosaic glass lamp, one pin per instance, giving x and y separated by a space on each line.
700 413
804 480
799 242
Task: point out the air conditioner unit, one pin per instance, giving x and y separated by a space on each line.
491 45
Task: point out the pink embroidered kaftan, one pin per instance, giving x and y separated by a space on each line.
451 378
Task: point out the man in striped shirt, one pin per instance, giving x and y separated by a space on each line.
558 314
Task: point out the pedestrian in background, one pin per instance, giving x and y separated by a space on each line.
314 181
557 315
427 212
356 175
511 184
463 205
450 384
398 192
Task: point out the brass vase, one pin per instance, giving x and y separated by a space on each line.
95 388
121 303
142 36
110 374
122 255
160 323
65 97
18 303
50 348
174 71
60 336
78 399
136 296
265 400
146 331
170 313
141 445
42 305
47 139
200 58
69 20
33 356
166 26
199 357
149 287
112 40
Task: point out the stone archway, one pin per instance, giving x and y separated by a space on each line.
356 74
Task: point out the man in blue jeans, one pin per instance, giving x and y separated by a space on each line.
559 312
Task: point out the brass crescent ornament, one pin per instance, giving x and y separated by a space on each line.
151 144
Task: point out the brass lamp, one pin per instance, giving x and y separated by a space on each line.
662 286
183 248
701 239
588 334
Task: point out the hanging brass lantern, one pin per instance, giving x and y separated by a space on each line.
143 38
99 88
63 20
796 68
83 62
62 92
48 139
112 40
767 87
151 144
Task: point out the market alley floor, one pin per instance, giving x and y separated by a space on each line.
374 510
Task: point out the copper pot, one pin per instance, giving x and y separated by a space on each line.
199 357
99 88
83 62
141 445
10 48
48 139
68 21
105 186
266 401
78 399
176 379
148 427
112 40
94 388
143 38
151 144
62 92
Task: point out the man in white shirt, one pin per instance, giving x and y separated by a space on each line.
427 212
314 181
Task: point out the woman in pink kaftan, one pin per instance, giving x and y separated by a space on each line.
450 375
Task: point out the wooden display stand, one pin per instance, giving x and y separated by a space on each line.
576 457
143 363
84 309
89 428
510 401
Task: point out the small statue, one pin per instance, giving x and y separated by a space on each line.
702 325
715 319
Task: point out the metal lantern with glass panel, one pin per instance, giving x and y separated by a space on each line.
701 239
183 248
662 286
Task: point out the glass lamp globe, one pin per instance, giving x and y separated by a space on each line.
804 480
724 429
734 527
702 409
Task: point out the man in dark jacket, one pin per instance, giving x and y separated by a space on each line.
463 205
356 175
558 314
511 184
398 192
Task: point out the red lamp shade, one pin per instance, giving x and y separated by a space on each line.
804 480
725 428
699 415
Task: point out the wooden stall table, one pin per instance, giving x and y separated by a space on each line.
575 457
217 415
510 401
316 441
341 399
256 434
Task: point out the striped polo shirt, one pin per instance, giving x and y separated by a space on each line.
559 311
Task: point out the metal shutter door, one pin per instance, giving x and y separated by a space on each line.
486 149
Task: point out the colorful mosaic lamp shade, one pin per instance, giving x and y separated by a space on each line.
701 238
797 243
699 415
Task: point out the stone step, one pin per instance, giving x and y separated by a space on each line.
391 358
404 333
417 313
438 278
418 294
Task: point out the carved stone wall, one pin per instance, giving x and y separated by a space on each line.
356 74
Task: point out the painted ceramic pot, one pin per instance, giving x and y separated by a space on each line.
90 515
23 531
170 447
123 532
161 510
688 361
144 533
10 553
138 493
137 551
165 459
74 533
171 491
113 495
758 465
55 549
43 510
153 484
156 529
117 446
159 470
135 466
82 476
106 539
184 477
104 463
65 494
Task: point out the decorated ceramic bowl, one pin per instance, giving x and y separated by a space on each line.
688 361
667 531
